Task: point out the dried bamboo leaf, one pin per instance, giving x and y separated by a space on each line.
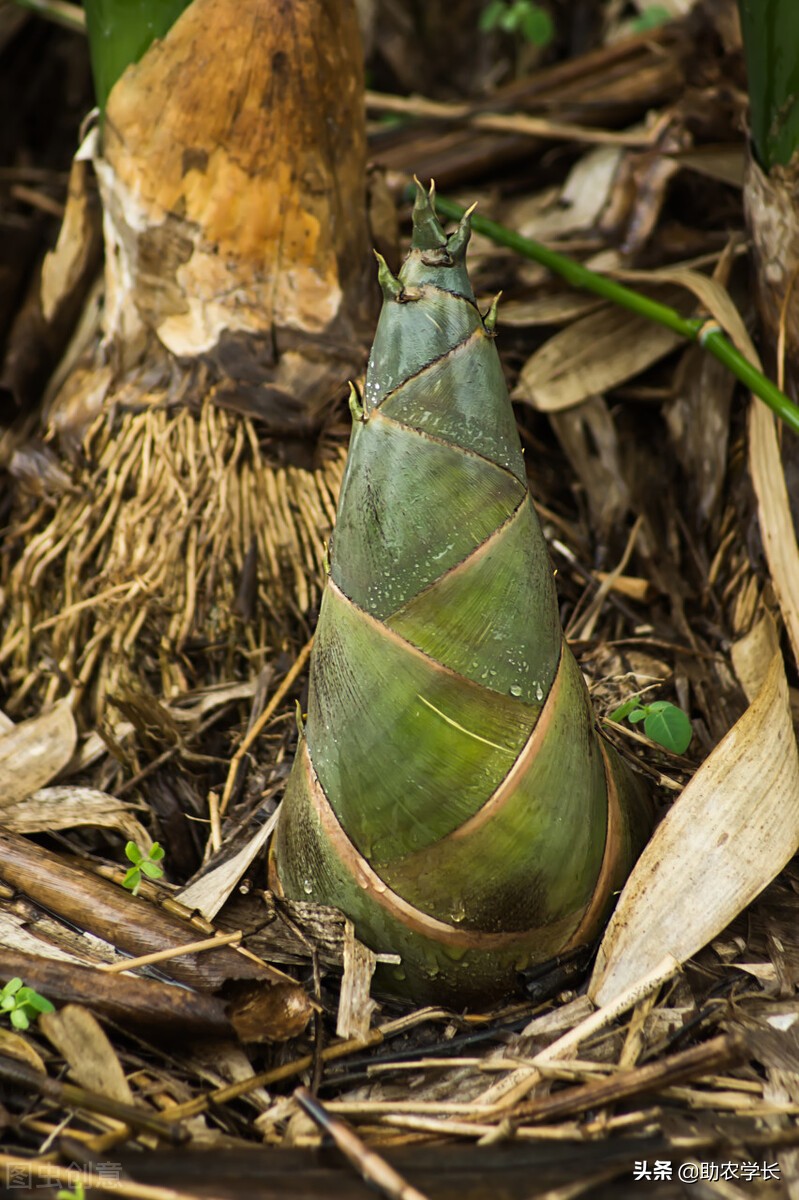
752 653
590 440
577 205
12 1045
208 893
597 352
554 309
765 463
64 267
730 832
92 1061
770 207
34 751
713 295
774 514
65 807
727 163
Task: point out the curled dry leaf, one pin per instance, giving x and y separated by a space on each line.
774 514
752 654
13 1045
575 207
76 252
65 807
274 1014
732 829
33 752
208 893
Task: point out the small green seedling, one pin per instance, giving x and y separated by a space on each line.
650 18
664 722
524 18
143 864
79 1193
22 1003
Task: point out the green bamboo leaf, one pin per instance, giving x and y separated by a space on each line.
771 35
19 1020
133 853
151 869
121 31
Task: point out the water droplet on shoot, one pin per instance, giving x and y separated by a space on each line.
456 953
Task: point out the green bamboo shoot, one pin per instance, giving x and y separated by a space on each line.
450 792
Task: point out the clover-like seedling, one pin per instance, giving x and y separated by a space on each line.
664 722
143 864
22 1004
525 19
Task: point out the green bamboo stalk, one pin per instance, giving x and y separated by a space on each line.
770 31
450 792
120 32
695 329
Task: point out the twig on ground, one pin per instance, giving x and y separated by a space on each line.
373 1168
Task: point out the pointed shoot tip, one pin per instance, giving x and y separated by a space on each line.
459 240
490 319
427 231
354 401
389 284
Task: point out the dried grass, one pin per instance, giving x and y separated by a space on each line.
134 577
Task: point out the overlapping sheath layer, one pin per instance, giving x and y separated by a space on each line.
450 794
